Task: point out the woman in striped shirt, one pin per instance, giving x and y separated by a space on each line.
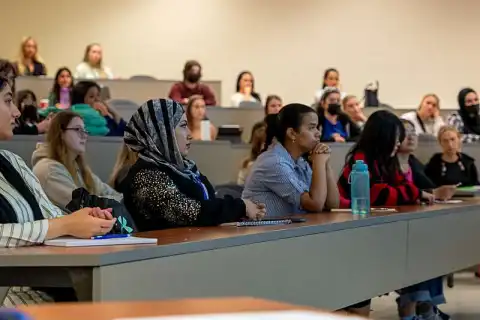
27 217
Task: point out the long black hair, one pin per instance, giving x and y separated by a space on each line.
380 135
56 87
253 93
80 90
325 75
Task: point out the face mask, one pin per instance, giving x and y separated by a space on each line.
333 109
193 77
473 110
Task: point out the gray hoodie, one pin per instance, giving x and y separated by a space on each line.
57 182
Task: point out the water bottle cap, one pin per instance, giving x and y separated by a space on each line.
360 166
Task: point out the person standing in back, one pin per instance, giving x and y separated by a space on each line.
191 85
92 66
426 119
245 90
29 62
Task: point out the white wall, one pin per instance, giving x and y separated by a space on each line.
411 46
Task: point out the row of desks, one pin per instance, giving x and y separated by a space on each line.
331 261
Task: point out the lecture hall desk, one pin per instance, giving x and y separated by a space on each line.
329 262
116 310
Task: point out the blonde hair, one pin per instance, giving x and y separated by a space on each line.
446 129
430 95
125 157
21 55
57 150
345 100
87 52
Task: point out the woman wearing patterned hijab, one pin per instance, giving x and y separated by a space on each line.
163 189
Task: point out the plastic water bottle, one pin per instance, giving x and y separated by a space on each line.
360 188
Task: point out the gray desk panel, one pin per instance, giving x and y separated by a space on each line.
328 270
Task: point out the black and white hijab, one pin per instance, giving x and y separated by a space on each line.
151 133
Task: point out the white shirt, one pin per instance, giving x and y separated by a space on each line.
85 71
238 98
429 127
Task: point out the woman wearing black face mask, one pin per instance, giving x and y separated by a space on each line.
467 118
191 86
335 126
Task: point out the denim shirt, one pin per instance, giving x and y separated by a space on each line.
278 181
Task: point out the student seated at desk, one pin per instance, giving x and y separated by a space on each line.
282 179
125 160
426 119
164 189
196 113
27 217
351 106
273 104
467 118
451 166
29 62
61 93
191 85
245 90
86 95
335 126
29 123
427 295
257 142
331 79
92 66
60 165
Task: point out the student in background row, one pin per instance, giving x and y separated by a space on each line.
335 126
125 160
351 106
451 166
196 113
467 118
426 119
282 179
422 298
273 104
191 85
245 90
92 66
27 217
29 123
60 163
164 189
257 143
331 79
86 96
29 62
61 93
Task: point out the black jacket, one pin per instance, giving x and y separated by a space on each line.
353 131
158 198
462 171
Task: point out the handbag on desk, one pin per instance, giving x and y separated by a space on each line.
81 198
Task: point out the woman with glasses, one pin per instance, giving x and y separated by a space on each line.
60 163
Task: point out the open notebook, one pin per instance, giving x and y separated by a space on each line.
278 315
75 242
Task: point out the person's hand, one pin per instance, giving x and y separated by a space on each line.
248 91
105 214
320 153
254 211
428 197
185 101
83 223
102 109
445 192
337 137
44 125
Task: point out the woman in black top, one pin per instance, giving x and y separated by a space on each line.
163 189
451 166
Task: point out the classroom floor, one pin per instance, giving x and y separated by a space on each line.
462 301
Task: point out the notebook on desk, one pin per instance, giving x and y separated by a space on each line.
75 242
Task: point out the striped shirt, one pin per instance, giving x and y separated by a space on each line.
278 181
27 231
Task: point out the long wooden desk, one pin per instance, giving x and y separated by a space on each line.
329 262
116 310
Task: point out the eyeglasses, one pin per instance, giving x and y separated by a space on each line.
81 132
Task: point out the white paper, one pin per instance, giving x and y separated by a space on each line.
205 130
452 201
280 315
75 242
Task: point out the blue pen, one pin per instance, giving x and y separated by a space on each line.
110 236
